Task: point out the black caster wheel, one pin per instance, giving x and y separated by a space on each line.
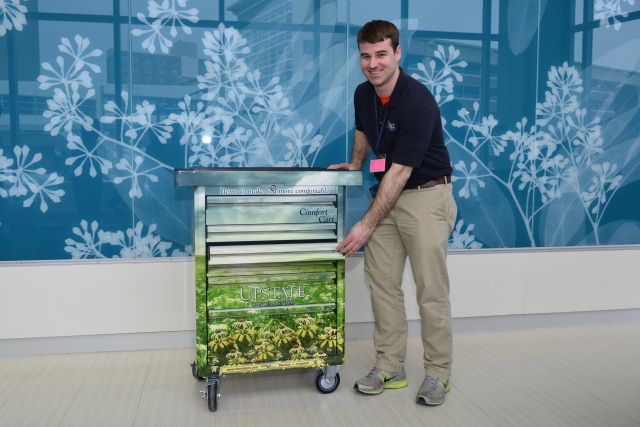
212 396
324 385
194 371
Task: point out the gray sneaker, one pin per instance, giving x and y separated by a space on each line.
377 380
432 391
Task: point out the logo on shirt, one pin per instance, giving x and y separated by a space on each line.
391 126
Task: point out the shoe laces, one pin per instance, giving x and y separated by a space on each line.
374 373
431 383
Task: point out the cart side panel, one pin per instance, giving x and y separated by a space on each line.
201 316
340 313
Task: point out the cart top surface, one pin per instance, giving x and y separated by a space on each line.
257 176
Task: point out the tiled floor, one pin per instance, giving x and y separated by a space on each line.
577 376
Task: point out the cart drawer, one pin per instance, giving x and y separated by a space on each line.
256 295
228 272
271 214
277 285
223 234
273 277
270 200
261 254
271 309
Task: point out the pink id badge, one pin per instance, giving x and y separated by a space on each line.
377 165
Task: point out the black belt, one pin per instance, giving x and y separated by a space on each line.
446 179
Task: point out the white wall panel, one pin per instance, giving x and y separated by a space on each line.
167 296
583 281
74 298
96 298
487 284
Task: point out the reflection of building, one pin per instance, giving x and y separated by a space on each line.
605 83
284 42
25 41
271 48
19 65
600 85
468 90
180 66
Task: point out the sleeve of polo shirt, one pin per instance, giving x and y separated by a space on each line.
414 135
358 123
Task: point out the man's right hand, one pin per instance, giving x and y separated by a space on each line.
357 237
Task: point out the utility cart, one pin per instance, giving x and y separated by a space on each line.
269 281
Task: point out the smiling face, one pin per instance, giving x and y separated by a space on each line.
379 64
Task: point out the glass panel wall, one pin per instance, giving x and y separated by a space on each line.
99 104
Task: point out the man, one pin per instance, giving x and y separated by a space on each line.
411 215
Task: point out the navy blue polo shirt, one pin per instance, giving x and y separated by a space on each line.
410 126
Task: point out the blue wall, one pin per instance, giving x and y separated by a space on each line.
101 100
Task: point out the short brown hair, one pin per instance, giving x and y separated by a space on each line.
376 31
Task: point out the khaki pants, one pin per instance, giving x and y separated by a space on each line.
418 226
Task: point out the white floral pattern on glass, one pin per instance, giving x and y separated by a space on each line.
561 154
166 14
28 180
440 82
237 123
12 16
610 10
463 239
130 244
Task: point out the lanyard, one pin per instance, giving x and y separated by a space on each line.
379 131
